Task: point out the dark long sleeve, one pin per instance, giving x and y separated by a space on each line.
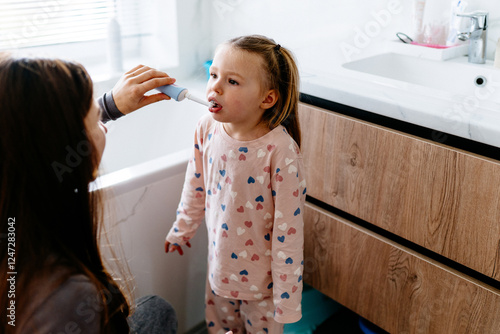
109 110
71 307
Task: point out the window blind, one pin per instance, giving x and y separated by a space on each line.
48 22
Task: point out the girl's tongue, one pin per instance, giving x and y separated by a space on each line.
215 107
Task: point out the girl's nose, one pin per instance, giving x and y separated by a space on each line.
216 86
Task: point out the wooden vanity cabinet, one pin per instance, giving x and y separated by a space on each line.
408 199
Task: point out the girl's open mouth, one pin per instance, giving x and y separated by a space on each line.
215 106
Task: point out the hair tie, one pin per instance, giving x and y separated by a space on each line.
277 48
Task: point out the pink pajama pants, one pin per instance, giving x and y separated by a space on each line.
240 316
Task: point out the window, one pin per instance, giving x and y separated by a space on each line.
83 30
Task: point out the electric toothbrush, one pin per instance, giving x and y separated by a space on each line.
179 93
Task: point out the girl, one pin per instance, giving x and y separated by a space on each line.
246 180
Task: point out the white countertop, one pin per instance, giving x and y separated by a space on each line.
472 112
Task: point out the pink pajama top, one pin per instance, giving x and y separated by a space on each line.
251 194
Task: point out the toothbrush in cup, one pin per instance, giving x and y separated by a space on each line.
179 93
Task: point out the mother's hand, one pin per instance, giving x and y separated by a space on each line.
128 93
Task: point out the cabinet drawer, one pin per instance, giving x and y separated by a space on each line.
436 196
394 287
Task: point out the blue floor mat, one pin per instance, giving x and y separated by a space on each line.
316 308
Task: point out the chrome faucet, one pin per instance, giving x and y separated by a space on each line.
476 35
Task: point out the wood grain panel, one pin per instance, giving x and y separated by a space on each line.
392 286
439 197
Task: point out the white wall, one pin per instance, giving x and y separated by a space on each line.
194 36
317 30
309 28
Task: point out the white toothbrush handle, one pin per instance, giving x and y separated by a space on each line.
196 99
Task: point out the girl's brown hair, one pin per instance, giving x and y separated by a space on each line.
282 75
47 162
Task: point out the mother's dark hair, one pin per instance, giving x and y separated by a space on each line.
46 164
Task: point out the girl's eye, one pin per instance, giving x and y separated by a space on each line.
213 75
232 82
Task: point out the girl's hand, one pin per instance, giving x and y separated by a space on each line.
170 248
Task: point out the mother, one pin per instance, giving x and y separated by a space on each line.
51 143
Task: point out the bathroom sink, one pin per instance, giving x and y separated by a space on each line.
456 76
448 96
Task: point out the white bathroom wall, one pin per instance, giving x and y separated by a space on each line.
179 44
318 32
194 35
322 33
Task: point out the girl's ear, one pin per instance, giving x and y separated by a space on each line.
270 99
